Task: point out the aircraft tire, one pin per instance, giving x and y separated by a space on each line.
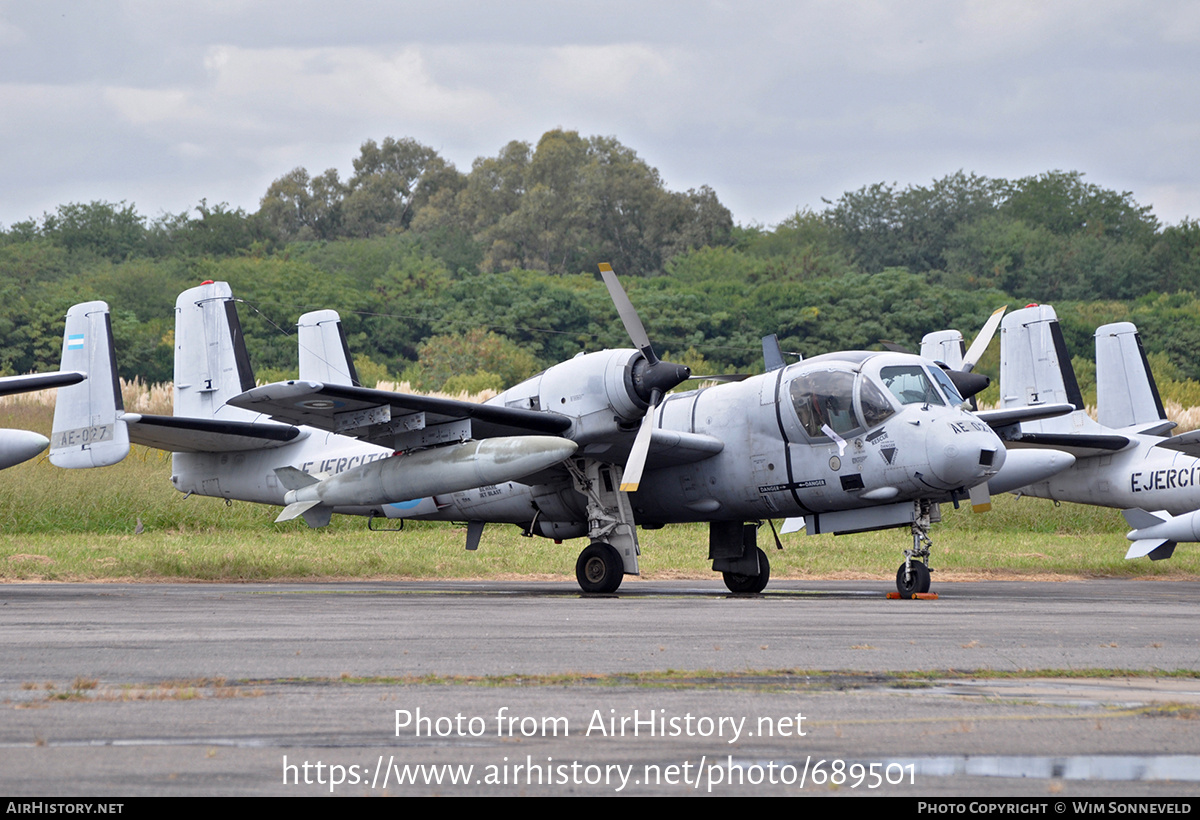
750 583
917 583
599 568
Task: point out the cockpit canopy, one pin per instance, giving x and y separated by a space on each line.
838 398
825 401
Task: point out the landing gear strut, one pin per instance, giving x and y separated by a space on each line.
611 528
912 578
733 549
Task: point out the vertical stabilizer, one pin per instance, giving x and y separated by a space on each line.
1036 369
324 354
88 430
945 346
1125 390
772 353
211 364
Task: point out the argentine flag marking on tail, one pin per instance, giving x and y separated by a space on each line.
75 341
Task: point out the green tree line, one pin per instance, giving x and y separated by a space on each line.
479 278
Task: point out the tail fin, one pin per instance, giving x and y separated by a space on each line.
772 353
211 364
1036 369
1125 390
944 346
324 353
88 430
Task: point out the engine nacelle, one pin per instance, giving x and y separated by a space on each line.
595 390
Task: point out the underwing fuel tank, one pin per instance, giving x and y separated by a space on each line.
19 445
1155 534
1024 467
435 471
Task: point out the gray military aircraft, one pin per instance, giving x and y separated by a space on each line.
17 446
1125 459
591 447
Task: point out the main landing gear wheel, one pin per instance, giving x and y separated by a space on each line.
750 583
599 568
917 581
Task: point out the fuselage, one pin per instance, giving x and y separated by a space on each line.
1142 475
835 432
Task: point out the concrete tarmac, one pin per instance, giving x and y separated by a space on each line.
218 689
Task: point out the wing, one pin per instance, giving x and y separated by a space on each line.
396 420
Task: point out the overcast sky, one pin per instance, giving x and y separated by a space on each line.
774 104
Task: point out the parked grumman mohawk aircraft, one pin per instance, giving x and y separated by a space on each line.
17 446
590 447
1124 459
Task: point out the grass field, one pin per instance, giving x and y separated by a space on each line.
78 525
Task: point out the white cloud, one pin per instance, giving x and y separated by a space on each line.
773 103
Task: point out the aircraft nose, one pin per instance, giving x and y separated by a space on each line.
964 452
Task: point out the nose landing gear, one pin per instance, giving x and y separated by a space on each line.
912 578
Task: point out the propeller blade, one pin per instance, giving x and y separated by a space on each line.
629 316
631 478
981 498
975 351
652 378
894 347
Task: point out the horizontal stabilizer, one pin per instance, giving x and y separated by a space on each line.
200 435
1158 428
1080 445
38 381
1015 415
1186 443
